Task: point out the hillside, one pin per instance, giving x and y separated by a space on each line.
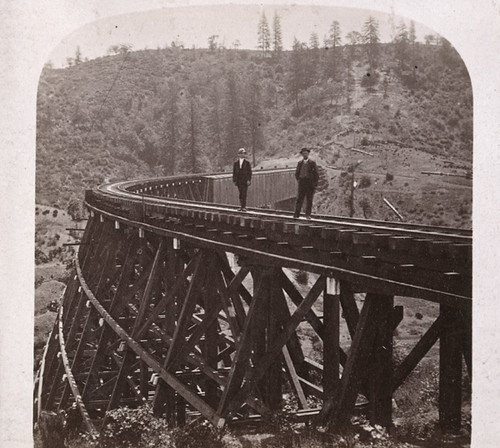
173 110
154 112
52 260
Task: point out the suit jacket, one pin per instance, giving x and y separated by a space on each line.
311 171
241 176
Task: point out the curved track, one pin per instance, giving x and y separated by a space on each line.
429 262
155 296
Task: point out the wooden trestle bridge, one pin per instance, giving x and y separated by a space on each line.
192 307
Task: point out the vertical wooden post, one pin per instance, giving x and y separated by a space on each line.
265 330
180 411
245 344
331 340
274 377
144 388
450 369
349 307
257 331
357 361
211 338
381 371
467 339
177 407
166 404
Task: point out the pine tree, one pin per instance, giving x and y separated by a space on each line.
169 145
193 166
255 117
354 38
277 37
234 122
447 53
313 65
412 35
371 40
314 41
334 56
431 39
78 55
297 71
264 41
214 125
212 44
401 44
349 85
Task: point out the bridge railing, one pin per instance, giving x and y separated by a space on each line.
268 187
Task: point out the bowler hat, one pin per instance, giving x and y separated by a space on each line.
305 149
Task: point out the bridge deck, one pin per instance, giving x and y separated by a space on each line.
157 313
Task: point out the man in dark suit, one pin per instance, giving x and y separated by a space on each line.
242 176
307 178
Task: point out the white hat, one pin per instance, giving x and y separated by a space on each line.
242 151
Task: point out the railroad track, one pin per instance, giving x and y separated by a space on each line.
140 189
156 312
434 263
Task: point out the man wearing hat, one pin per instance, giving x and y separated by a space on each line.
307 178
242 175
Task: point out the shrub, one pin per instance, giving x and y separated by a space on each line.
139 428
365 182
198 436
40 257
75 209
369 80
366 207
39 280
134 428
51 242
55 253
389 177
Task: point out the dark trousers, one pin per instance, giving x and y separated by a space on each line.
306 190
243 188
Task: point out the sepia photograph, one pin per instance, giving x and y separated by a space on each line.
253 227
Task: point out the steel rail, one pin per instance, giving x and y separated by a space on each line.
133 185
442 233
398 288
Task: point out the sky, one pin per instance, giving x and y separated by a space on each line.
193 25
